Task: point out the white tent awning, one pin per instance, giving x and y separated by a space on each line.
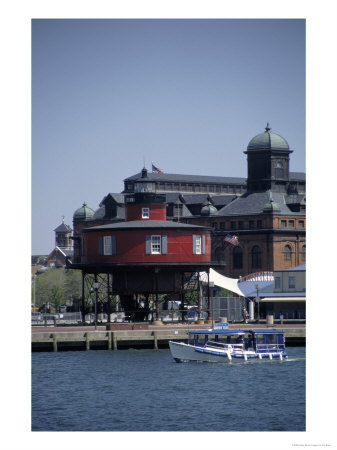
220 280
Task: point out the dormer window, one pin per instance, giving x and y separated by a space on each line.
144 184
145 213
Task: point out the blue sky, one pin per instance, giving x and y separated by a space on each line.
185 94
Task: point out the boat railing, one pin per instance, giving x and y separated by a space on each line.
267 348
224 345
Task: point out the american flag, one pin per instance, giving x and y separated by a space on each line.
231 239
156 169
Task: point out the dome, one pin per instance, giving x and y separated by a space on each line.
268 141
208 210
84 213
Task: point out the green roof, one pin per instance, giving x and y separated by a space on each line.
268 141
84 213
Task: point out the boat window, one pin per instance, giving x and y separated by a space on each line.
271 338
260 339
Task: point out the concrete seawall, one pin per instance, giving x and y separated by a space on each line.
147 336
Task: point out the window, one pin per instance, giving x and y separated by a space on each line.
198 244
240 224
303 253
145 213
233 225
156 244
251 225
279 170
301 224
291 224
291 282
237 258
256 257
283 224
277 281
107 245
259 224
287 253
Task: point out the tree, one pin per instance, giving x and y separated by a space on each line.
57 284
56 296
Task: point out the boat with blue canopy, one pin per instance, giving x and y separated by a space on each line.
222 344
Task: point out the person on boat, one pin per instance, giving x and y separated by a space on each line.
239 340
248 342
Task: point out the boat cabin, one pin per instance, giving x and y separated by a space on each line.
266 341
221 338
260 341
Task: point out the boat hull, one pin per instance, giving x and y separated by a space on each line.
182 352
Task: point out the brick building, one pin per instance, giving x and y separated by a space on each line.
268 218
266 211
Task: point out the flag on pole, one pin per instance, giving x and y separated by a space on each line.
156 169
231 239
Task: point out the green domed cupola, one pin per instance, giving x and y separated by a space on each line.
268 141
84 213
268 162
209 210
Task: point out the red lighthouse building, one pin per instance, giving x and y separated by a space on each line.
143 255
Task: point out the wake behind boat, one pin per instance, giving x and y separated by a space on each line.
220 344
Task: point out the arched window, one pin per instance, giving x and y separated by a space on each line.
279 170
220 255
237 258
256 257
287 253
303 253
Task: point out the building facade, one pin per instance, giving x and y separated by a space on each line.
266 211
144 255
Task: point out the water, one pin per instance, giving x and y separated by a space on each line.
145 390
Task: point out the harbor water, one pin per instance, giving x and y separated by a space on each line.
145 390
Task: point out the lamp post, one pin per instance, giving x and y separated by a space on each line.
258 302
95 287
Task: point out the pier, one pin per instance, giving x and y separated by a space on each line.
139 336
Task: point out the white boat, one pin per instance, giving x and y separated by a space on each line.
221 344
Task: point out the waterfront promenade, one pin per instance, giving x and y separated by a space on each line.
117 336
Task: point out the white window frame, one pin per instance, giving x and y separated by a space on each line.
145 213
107 245
155 244
198 245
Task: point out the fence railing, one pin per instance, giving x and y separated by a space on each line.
43 318
230 307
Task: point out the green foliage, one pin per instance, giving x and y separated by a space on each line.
57 285
225 293
191 297
57 296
